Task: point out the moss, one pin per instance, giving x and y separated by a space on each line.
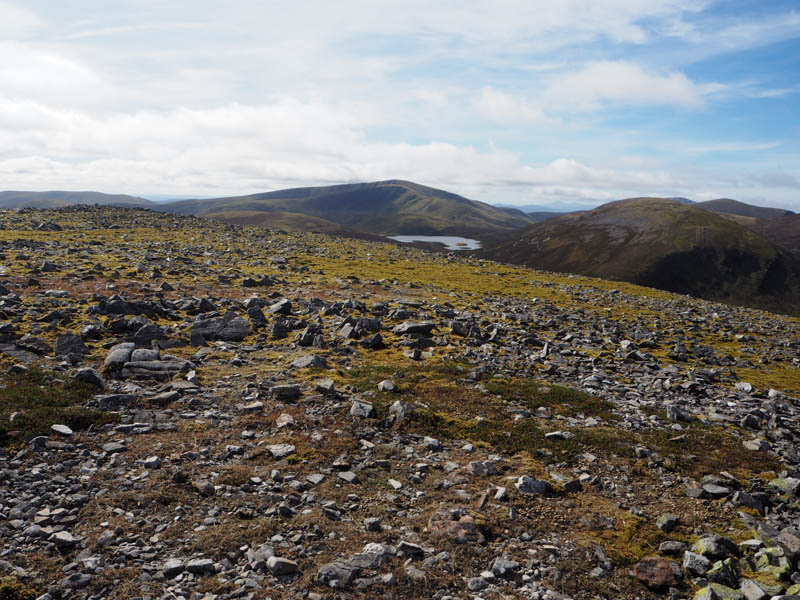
564 400
41 403
11 589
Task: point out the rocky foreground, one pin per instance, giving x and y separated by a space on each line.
198 411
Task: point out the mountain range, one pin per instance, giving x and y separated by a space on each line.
384 208
663 244
55 199
720 249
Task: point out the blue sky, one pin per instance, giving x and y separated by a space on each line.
509 101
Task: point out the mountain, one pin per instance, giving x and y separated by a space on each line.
55 199
664 244
742 209
784 231
543 215
287 221
384 208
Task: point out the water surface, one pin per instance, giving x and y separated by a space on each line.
451 242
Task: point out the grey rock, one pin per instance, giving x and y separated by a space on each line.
69 343
62 430
695 563
336 575
281 566
173 567
201 566
529 485
310 361
361 408
281 450
118 355
91 377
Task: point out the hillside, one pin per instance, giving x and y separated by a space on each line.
784 231
734 207
663 244
382 208
55 199
191 409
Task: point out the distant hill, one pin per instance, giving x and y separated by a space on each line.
664 244
12 199
543 215
287 221
383 208
734 207
784 231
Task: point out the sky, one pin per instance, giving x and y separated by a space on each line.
521 102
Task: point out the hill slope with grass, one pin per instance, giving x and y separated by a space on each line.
56 199
784 231
384 208
663 244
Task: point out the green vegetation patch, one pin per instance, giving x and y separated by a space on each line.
11 589
40 402
562 400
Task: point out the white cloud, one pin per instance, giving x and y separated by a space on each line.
620 82
43 75
17 22
240 149
500 106
431 97
138 97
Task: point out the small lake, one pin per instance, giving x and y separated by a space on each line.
450 242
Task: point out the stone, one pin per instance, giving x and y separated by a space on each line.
752 591
325 386
503 567
715 547
482 468
716 491
715 591
281 307
281 566
695 563
63 540
310 361
118 355
724 572
61 430
279 451
672 547
410 549
152 462
286 393
284 420
417 328
431 443
677 414
69 343
528 485
201 566
476 584
173 567
657 573
387 385
91 377
348 476
361 408
336 575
